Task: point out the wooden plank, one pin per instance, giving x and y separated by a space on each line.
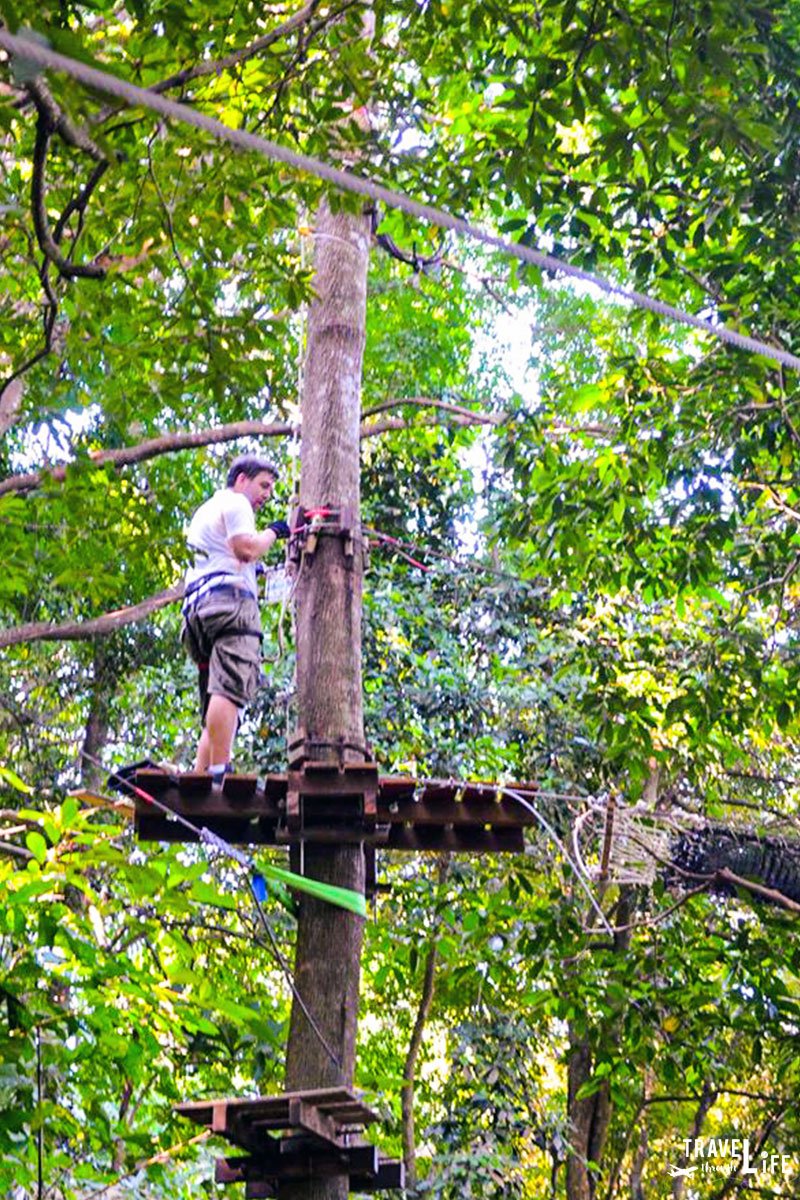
389 1176
244 831
188 784
392 787
241 794
431 815
399 787
230 1170
260 1191
312 1120
367 1171
338 1103
464 840
479 810
436 804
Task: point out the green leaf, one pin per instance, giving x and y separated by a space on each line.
12 778
37 845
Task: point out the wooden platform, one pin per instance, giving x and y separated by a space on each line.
409 814
319 1136
331 1114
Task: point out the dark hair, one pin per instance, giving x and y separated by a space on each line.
249 465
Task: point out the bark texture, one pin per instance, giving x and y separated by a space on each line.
329 697
97 721
417 1034
590 1116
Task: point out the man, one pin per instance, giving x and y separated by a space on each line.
222 627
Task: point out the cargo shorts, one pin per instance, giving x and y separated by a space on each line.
223 636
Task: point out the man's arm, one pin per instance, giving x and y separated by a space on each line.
249 546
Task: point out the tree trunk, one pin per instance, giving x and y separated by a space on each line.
96 730
590 1116
329 697
708 1099
581 1112
417 1033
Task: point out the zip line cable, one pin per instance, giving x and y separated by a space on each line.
29 50
524 802
208 838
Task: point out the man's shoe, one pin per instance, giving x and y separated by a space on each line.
218 781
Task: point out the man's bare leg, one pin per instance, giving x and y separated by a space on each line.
216 740
202 760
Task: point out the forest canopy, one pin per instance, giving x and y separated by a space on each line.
581 526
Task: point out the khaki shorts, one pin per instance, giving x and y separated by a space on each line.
223 636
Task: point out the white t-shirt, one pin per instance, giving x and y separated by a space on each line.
225 515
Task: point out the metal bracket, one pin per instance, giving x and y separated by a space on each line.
328 802
303 749
309 524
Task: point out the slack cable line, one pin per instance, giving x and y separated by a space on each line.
256 885
406 549
29 50
518 798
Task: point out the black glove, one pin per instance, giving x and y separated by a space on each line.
280 529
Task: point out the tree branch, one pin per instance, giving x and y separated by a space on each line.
41 225
428 402
171 443
770 1125
79 202
168 443
779 503
11 814
58 122
415 1044
10 401
725 875
73 631
217 66
162 1157
391 423
707 1100
13 851
459 413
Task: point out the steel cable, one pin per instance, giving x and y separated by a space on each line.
31 50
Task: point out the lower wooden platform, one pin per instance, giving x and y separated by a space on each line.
320 1136
331 1114
366 1170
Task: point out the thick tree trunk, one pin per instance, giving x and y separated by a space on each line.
97 721
590 1116
581 1112
329 698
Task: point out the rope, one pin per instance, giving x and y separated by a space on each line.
502 790
463 568
30 51
208 838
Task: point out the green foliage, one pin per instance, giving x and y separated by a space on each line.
120 975
611 584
